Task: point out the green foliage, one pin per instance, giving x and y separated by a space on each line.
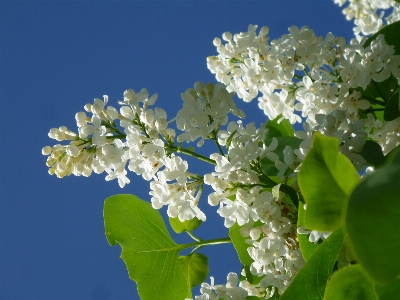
390 291
310 282
275 129
350 283
326 179
195 267
284 133
268 166
372 153
150 254
240 245
392 108
373 223
307 248
188 225
284 141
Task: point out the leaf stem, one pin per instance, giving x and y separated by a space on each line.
193 236
206 243
376 101
196 155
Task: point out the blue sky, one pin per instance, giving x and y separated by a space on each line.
57 56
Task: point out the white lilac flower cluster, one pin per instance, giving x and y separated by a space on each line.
99 147
144 144
369 14
302 77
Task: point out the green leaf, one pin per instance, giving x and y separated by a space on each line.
258 298
149 253
195 267
268 167
310 282
390 291
284 141
307 248
247 275
372 153
284 128
188 225
291 192
392 108
240 245
229 140
393 157
350 283
373 223
326 179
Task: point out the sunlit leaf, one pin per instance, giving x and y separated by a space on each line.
150 254
284 128
188 225
240 245
195 267
326 179
311 281
373 223
350 283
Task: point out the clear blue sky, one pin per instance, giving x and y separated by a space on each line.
57 56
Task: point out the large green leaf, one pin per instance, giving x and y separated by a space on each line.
195 267
150 254
326 179
390 291
240 245
310 282
350 283
373 223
